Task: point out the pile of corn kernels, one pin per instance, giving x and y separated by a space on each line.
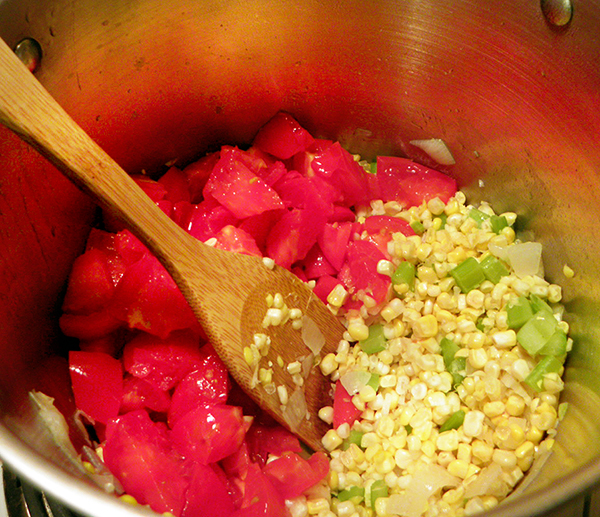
397 447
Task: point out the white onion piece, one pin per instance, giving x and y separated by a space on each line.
488 482
525 258
425 482
437 149
307 364
354 381
295 410
500 252
311 335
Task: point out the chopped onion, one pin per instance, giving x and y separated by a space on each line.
500 252
525 258
426 481
354 381
295 410
311 335
488 482
307 364
437 149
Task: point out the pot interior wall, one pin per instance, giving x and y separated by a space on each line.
515 98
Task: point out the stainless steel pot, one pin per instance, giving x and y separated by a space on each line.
513 87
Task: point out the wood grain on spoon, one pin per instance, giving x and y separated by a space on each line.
226 291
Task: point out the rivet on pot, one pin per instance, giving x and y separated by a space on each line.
29 52
557 12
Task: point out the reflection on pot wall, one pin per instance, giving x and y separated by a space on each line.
514 97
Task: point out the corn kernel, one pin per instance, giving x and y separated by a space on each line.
425 326
458 468
331 440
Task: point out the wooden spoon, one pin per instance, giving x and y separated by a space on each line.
226 291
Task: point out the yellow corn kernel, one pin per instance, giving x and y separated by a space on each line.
458 468
331 440
129 499
333 479
358 331
326 414
328 364
248 356
338 296
265 375
482 450
316 506
425 327
515 405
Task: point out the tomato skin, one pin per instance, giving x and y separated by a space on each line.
138 452
316 264
386 224
334 241
208 383
208 434
89 326
362 260
90 286
283 137
411 183
207 494
291 475
97 380
344 410
197 174
207 218
325 284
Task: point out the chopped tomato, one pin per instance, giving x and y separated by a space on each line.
387 224
344 410
239 190
176 184
209 433
207 495
283 137
89 326
264 440
139 453
260 497
90 285
411 183
207 218
148 299
208 383
162 362
362 259
291 475
141 394
316 264
237 240
153 189
325 284
197 174
333 241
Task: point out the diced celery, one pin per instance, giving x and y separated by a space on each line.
354 493
458 365
562 410
418 227
519 313
449 349
374 381
536 332
354 437
493 269
443 217
468 274
378 489
478 216
556 344
404 274
373 167
454 365
537 304
408 428
455 420
376 341
498 222
548 364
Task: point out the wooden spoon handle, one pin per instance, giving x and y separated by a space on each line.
30 111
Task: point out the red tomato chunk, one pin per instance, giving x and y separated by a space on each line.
146 376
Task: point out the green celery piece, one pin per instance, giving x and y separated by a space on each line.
536 332
408 428
374 381
418 227
458 365
537 304
519 313
493 269
478 216
548 364
556 344
376 341
449 349
443 217
498 223
354 493
405 274
354 437
373 167
455 420
378 489
468 274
